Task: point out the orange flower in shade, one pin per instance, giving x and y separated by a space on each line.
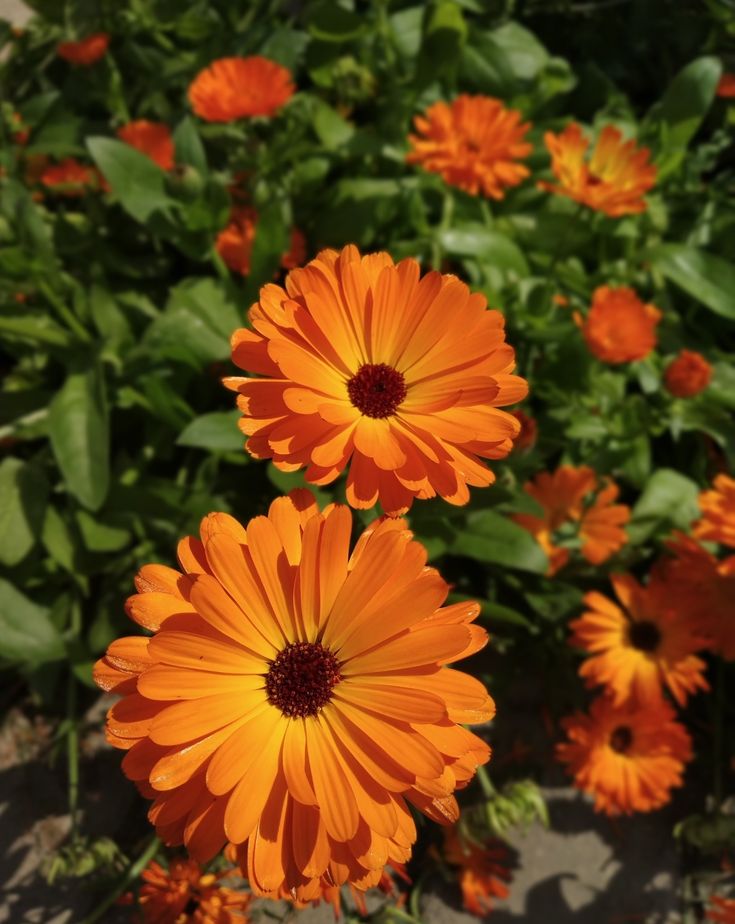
568 500
629 758
295 697
235 242
526 439
86 51
483 870
150 138
237 88
687 374
184 894
640 646
70 178
722 910
474 143
726 86
717 523
619 327
613 181
370 366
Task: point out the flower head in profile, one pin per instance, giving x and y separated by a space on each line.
717 523
628 757
86 51
184 894
70 178
641 645
475 143
368 366
573 501
235 242
238 88
613 180
483 870
687 374
619 327
726 86
296 696
150 138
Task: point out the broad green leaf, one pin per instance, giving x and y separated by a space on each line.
59 540
23 496
102 535
136 180
27 635
330 22
188 145
217 431
504 61
36 327
669 499
272 241
331 129
490 537
707 278
407 27
486 246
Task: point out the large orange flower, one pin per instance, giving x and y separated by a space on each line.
483 870
717 523
184 894
640 646
619 327
235 242
150 138
687 374
237 88
568 500
295 697
613 181
86 51
629 758
474 142
369 366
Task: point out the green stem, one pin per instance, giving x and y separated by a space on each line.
130 875
445 222
72 735
64 313
486 784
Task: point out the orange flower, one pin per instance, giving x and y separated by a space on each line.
184 894
687 374
70 178
717 523
619 327
483 870
150 138
629 758
474 142
726 86
86 51
640 646
235 242
526 439
564 496
369 366
295 697
236 88
613 181
332 894
722 910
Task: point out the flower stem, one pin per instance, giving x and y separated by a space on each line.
128 877
486 784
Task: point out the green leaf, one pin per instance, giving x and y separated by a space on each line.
59 541
485 246
490 537
23 496
446 33
504 61
79 430
668 500
331 129
330 22
27 635
36 327
106 535
217 431
135 179
188 145
707 278
272 240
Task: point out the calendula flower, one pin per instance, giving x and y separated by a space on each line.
717 523
720 909
367 365
572 499
332 894
185 894
235 242
726 86
86 51
474 143
526 439
641 645
613 180
619 327
296 696
483 870
70 178
628 757
150 138
237 88
687 375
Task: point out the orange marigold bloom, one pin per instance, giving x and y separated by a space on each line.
474 143
641 645
687 374
722 910
566 498
150 138
614 179
726 86
717 523
369 366
295 696
619 327
237 88
184 894
526 439
235 242
86 51
629 758
483 870
70 178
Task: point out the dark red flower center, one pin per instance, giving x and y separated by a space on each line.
621 739
644 635
301 679
377 390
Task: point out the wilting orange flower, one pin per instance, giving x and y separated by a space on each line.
70 178
369 366
614 179
237 88
619 327
483 870
235 242
184 894
566 498
640 646
150 138
629 758
726 86
687 374
86 51
717 523
721 910
295 696
526 438
474 142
